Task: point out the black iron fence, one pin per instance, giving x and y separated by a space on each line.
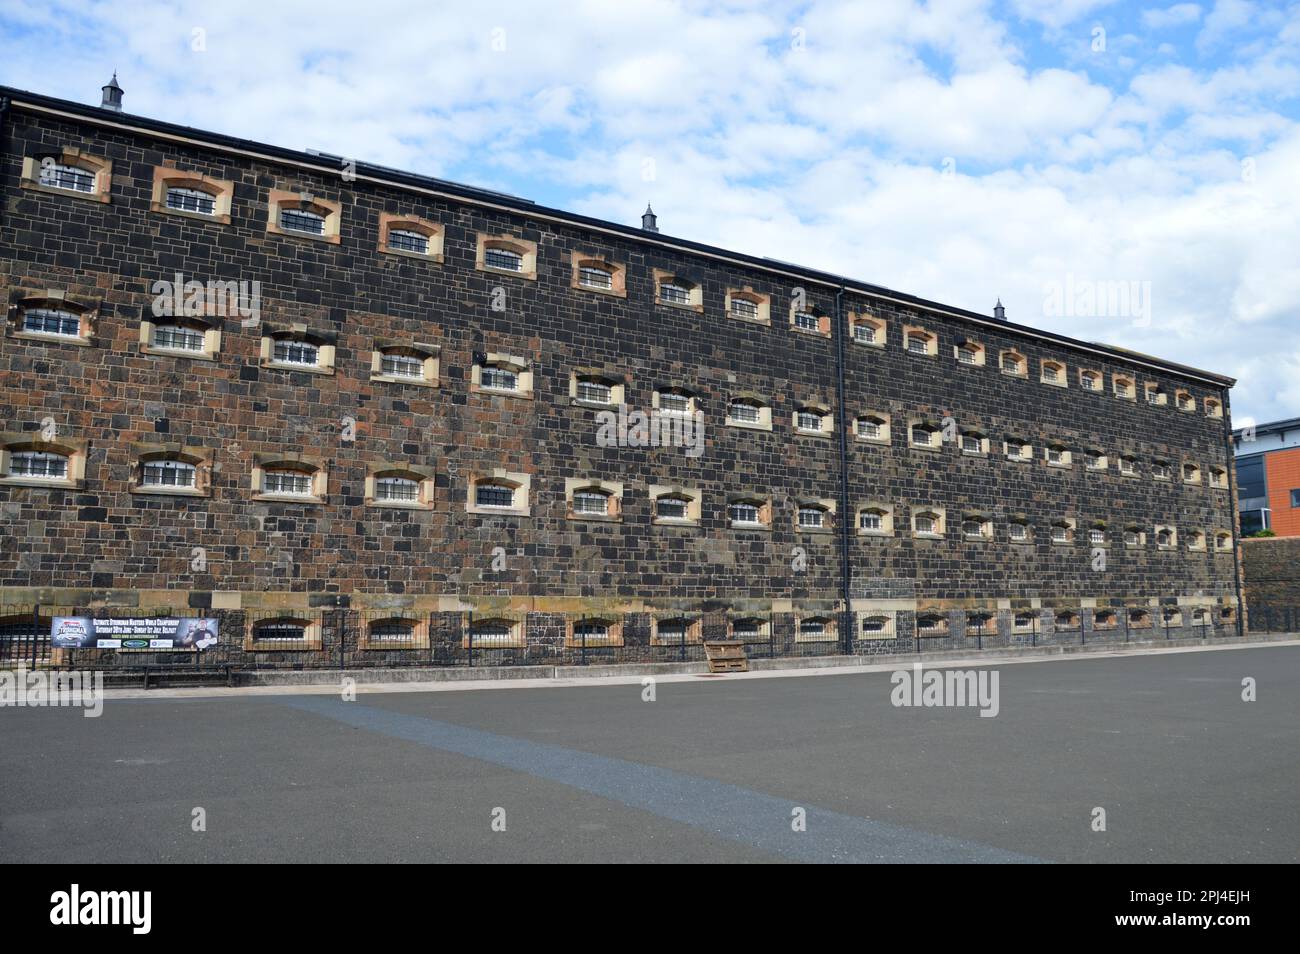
349 639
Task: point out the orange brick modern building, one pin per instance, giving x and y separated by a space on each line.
1268 475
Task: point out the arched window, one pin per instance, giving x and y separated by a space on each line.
182 199
168 472
38 465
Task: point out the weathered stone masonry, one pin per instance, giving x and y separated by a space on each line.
103 544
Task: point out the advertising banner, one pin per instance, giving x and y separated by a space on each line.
83 632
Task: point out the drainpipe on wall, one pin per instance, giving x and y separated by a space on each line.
1232 502
846 617
4 114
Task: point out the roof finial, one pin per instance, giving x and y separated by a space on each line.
999 312
649 221
112 95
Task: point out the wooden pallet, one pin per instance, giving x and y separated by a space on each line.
727 655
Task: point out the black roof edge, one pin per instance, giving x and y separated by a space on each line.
1272 427
526 207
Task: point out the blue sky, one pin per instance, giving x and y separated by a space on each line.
959 150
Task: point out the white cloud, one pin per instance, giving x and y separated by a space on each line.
1177 15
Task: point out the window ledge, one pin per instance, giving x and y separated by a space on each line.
42 484
684 522
823 434
610 292
884 534
178 353
304 236
810 331
498 511
399 504
414 382
418 256
749 427
501 392
757 527
1054 384
290 498
1016 459
1014 374
283 646
304 368
78 340
867 344
823 531
196 216
526 276
929 448
592 405
698 309
878 441
169 491
594 517
72 193
927 536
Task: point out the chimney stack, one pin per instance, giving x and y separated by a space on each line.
649 221
112 95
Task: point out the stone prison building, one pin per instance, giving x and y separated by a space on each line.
351 410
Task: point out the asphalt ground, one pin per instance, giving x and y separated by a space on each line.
713 770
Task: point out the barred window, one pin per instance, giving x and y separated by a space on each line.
871 520
674 630
302 220
967 355
1096 535
590 631
864 332
812 627
1090 380
671 508
38 464
594 391
279 631
747 629
51 321
178 338
918 344
401 365
871 428
674 402
1019 531
971 444
927 523
593 277
923 435
874 624
1160 470
191 200
1060 533
296 483
743 513
931 624
1127 465
60 176
397 488
503 258
744 308
745 411
809 421
395 630
972 528
169 473
288 351
408 241
494 495
674 293
1132 537
590 502
492 634
812 517
498 378
806 321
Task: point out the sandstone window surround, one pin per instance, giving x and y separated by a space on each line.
1218 477
1057 454
875 519
1013 363
1097 535
814 516
304 216
400 485
981 623
969 353
1161 469
596 500
506 255
1171 616
26 460
1053 373
920 342
1223 541
1184 401
872 428
69 172
500 374
1095 459
1123 387
676 291
674 400
809 319
749 410
749 512
1213 407
929 523
289 478
499 493
1128 466
1195 539
174 470
1191 473
494 632
1066 619
877 624
1139 619
745 304
191 195
595 273
816 628
973 442
924 433
977 526
1063 530
865 329
410 236
193 337
395 633
1155 395
593 632
1018 449
1166 537
1104 619
283 634
1024 621
749 628
1135 537
813 419
931 623
1019 530
675 630
52 316
395 361
1090 380
597 388
675 505
294 347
